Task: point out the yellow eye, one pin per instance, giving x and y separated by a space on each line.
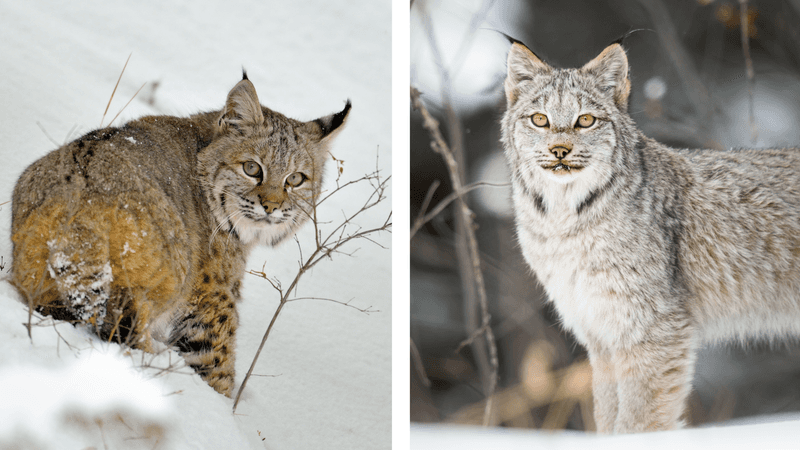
295 179
252 169
539 120
585 121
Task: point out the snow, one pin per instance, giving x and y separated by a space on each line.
781 432
325 373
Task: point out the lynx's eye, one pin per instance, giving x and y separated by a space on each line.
585 121
539 120
252 169
295 179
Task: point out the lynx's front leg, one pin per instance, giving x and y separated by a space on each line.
604 391
653 380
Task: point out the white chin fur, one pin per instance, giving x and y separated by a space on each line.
562 178
259 233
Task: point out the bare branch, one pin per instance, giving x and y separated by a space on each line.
749 67
326 245
423 218
465 215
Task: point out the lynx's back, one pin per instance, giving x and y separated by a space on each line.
742 242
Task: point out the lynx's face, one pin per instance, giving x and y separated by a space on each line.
560 124
559 130
264 171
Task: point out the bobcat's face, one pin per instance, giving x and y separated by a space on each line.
264 187
263 172
562 125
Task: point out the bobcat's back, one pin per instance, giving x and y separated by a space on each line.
143 230
114 210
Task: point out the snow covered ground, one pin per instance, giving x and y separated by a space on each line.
326 370
780 432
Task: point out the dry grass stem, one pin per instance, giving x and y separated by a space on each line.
115 90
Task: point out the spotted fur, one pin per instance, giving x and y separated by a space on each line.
143 231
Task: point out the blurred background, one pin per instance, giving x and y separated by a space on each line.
690 89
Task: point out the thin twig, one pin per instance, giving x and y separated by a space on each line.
258 352
748 61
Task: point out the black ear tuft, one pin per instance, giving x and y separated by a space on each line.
620 40
513 41
244 74
330 123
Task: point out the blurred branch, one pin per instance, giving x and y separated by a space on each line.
417 360
696 92
472 282
424 218
561 390
473 271
749 66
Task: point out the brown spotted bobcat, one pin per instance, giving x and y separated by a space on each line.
645 251
143 230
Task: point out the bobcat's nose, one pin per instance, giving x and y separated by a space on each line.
561 150
270 206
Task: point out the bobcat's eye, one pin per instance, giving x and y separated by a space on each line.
252 169
539 120
296 179
585 121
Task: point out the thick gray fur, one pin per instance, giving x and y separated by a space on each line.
646 251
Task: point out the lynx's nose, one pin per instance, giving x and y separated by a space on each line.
561 150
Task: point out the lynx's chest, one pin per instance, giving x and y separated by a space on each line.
595 293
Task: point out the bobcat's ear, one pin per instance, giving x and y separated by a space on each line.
329 126
523 64
611 68
242 109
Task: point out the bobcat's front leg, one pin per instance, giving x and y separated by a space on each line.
653 380
207 337
604 391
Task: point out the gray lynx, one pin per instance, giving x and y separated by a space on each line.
143 231
645 251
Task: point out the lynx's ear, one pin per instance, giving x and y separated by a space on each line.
329 126
242 109
611 69
523 65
